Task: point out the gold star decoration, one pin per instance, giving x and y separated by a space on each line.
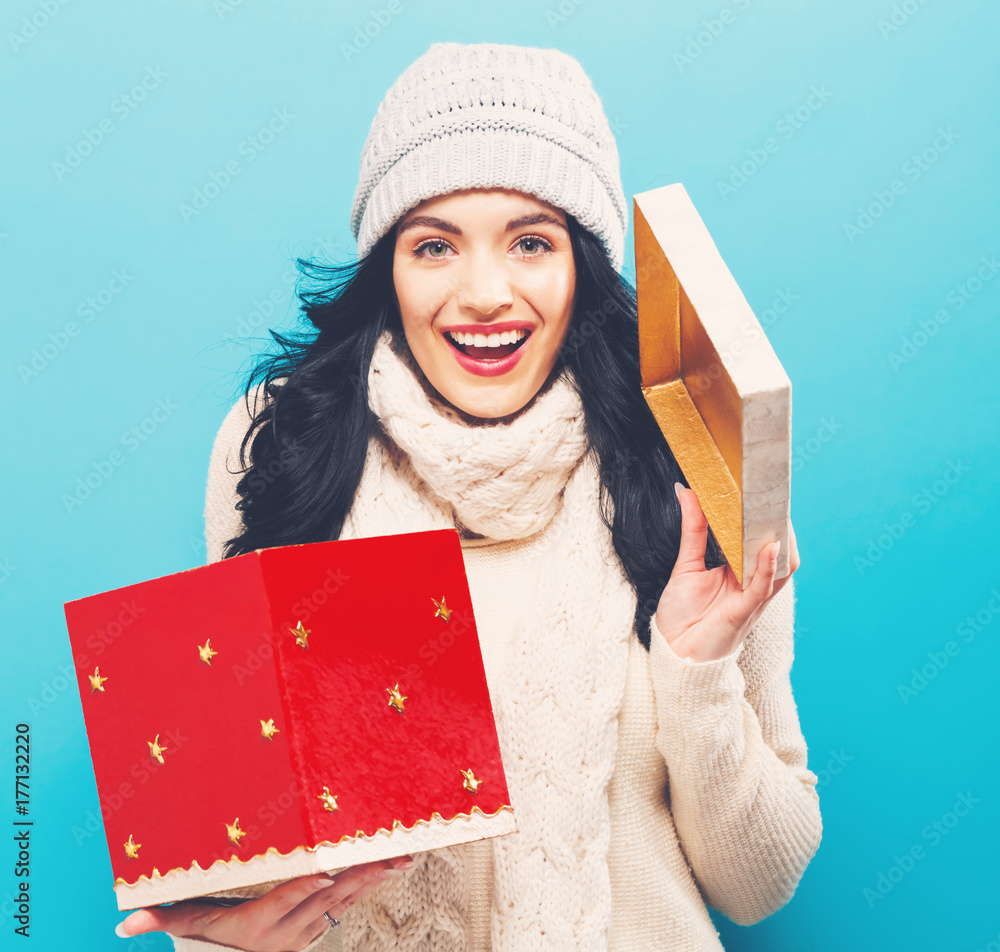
396 699
234 831
267 729
132 848
155 750
329 800
443 611
301 635
96 681
206 652
471 783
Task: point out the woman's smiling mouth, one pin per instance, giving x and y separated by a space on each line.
488 350
492 346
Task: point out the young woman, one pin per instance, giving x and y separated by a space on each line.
478 368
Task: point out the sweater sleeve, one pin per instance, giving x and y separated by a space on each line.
743 801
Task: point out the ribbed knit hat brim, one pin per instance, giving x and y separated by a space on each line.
491 116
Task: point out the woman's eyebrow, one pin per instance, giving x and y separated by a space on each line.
536 218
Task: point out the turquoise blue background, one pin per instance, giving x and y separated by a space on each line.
894 498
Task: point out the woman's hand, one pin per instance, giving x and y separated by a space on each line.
704 614
286 919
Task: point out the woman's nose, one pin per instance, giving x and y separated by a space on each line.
484 285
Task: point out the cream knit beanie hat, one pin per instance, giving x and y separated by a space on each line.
487 115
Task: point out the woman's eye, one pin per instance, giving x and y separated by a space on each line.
435 247
532 246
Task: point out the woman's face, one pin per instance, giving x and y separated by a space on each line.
485 281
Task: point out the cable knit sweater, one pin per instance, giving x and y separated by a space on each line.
711 801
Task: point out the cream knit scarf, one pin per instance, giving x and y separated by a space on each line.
559 697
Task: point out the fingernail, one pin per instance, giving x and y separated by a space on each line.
678 486
774 551
323 883
394 872
120 929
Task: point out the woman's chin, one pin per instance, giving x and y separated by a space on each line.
481 407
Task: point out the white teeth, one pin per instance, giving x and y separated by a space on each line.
484 340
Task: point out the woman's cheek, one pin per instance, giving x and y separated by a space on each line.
421 297
552 286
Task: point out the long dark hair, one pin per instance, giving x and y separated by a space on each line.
308 441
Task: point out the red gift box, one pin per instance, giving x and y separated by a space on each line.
279 713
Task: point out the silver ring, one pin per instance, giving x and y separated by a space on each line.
330 919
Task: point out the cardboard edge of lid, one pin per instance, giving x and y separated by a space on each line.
272 866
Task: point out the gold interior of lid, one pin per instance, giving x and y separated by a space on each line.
690 392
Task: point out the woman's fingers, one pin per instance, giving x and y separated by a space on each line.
750 601
793 550
694 532
793 561
181 918
290 916
196 916
349 886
